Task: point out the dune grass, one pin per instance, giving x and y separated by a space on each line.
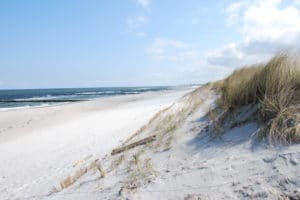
275 87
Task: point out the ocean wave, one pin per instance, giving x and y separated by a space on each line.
35 98
24 107
47 97
96 93
143 89
130 92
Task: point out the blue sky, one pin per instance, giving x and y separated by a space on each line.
76 43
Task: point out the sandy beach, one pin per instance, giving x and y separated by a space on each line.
37 145
150 100
64 152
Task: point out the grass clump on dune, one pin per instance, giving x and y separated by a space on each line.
275 86
240 87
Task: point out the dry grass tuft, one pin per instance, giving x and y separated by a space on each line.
140 169
77 174
276 87
240 88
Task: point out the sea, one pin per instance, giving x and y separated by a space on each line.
25 98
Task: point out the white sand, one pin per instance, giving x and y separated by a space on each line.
233 166
37 145
197 166
36 156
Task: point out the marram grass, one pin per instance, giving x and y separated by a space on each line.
275 86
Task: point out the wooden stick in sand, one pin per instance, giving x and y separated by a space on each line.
133 145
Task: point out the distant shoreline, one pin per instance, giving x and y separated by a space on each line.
15 99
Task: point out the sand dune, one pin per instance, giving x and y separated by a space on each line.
65 152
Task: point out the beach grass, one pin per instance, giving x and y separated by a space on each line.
275 87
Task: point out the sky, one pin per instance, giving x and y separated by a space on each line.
97 43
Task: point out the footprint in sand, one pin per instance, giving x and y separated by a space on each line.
293 161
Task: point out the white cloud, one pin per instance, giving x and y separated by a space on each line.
267 26
144 3
188 65
135 23
234 10
269 19
167 49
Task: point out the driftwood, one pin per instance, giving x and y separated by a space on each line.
133 145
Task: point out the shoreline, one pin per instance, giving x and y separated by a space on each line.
38 144
17 119
57 102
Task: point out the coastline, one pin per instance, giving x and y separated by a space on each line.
66 152
13 99
37 144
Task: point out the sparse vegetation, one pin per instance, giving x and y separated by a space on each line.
139 169
137 165
165 122
275 87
